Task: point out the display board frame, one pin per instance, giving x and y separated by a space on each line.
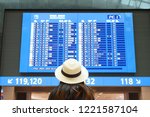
130 51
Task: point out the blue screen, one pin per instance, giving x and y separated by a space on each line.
102 42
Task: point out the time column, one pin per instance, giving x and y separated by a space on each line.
83 43
52 44
62 31
70 40
34 42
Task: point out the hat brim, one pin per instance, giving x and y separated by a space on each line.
81 78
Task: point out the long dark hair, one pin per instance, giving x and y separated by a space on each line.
71 92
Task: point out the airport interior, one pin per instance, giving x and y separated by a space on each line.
136 28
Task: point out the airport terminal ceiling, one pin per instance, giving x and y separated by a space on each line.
71 4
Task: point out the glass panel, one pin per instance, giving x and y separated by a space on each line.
145 5
146 1
99 4
125 2
134 3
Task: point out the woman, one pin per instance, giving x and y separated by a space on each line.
72 76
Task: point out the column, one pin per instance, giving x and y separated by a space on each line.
101 51
109 44
121 55
53 44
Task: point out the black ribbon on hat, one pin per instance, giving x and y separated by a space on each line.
70 75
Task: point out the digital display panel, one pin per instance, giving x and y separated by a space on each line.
102 42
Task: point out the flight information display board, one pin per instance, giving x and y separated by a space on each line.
102 42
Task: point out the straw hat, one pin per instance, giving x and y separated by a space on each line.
71 72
